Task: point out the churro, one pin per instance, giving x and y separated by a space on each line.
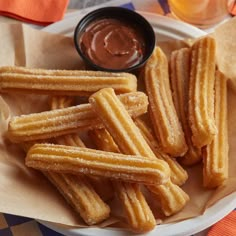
79 193
76 160
81 196
81 83
201 92
179 80
138 213
77 190
60 102
130 141
162 111
59 122
177 173
215 158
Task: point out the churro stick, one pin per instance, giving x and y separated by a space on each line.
79 193
77 190
60 102
76 160
59 122
139 214
81 196
83 83
162 111
130 141
201 92
178 174
34 71
102 186
215 159
179 78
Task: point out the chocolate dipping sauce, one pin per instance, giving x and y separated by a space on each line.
112 44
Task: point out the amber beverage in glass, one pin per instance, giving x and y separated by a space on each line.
201 13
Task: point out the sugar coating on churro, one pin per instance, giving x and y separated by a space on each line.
215 159
130 141
63 82
63 121
76 160
178 175
162 111
138 213
171 196
81 196
179 80
201 92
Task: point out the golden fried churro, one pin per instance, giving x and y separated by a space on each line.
102 186
67 120
215 159
79 193
138 213
172 197
179 78
130 141
76 160
34 71
77 190
60 102
162 111
201 92
81 196
82 83
178 174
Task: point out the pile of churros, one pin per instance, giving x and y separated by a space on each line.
143 139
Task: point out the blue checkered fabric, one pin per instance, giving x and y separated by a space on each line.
11 225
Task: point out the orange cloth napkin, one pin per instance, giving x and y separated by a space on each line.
225 227
42 12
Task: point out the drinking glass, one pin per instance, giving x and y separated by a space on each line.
201 13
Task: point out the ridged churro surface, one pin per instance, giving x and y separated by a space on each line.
215 161
75 160
201 92
81 196
63 121
130 141
63 82
77 190
179 78
178 175
162 111
138 213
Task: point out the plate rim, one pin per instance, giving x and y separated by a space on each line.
218 214
163 21
185 231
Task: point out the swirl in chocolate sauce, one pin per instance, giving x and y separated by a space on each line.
112 44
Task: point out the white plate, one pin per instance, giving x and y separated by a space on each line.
165 29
